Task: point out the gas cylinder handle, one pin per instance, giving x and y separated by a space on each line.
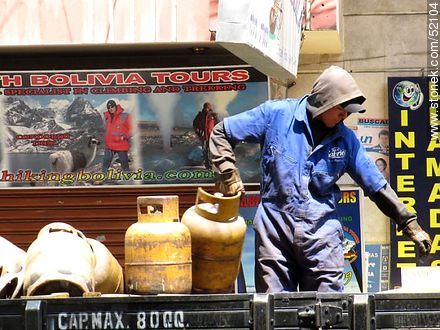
227 206
168 213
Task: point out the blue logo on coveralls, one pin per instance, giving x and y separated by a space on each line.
336 153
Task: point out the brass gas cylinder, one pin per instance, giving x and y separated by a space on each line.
217 236
109 276
158 248
61 259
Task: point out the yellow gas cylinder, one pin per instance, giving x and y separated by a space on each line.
109 277
217 236
158 248
61 259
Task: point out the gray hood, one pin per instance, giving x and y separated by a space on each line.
335 86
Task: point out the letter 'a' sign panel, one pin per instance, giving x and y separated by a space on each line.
415 165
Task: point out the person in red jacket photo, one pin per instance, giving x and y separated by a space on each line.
203 124
118 127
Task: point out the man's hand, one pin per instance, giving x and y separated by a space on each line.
415 233
229 183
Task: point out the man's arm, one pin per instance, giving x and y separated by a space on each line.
390 205
196 124
221 150
223 160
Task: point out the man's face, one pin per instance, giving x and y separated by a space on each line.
384 140
333 116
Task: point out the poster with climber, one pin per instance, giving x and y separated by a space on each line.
121 127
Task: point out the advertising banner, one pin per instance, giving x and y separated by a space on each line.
349 216
374 135
349 210
266 33
248 208
377 259
414 165
121 127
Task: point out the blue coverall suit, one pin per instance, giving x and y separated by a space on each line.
298 237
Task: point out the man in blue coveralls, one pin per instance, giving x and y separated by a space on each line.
305 149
